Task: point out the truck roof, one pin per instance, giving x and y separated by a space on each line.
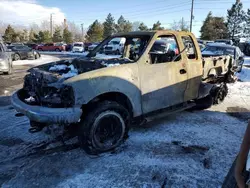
160 32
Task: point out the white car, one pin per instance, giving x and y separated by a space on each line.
92 46
115 46
78 47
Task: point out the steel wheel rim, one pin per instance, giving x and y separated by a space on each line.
109 130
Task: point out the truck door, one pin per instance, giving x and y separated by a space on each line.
194 66
163 81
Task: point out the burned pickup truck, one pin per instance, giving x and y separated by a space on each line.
157 71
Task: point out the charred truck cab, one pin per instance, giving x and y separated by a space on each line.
158 70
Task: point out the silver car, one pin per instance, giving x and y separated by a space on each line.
5 59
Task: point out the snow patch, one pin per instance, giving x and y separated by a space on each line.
244 75
42 60
58 67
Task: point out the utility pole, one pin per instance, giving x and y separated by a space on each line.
82 30
192 15
182 24
51 27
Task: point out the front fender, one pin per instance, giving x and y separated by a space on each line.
123 79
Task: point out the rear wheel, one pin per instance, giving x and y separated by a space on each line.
219 93
58 50
104 128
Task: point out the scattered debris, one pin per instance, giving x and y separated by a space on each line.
207 163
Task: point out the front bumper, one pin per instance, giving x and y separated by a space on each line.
46 115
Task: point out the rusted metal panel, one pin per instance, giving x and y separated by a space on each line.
123 79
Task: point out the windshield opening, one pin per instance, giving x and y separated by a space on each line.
78 45
130 47
219 50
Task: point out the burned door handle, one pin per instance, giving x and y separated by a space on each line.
183 71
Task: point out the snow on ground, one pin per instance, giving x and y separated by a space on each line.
247 60
42 60
186 149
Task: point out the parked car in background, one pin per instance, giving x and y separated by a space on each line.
226 41
23 52
78 47
219 49
5 59
17 44
52 47
92 46
115 46
86 46
68 47
245 47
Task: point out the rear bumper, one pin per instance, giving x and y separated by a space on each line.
46 115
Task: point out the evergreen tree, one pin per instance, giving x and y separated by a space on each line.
46 36
42 37
247 27
157 26
109 26
123 25
9 34
235 19
95 32
206 29
57 37
142 27
213 28
67 36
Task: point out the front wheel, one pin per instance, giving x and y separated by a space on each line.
58 50
104 128
10 69
17 57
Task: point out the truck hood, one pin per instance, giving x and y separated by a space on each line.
65 69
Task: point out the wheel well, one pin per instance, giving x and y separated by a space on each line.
111 96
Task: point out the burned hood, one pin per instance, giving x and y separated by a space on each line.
64 69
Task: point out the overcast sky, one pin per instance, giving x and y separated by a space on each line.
26 12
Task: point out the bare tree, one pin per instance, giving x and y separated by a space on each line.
181 25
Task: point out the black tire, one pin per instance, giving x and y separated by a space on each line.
203 103
57 50
96 138
219 94
17 57
40 49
